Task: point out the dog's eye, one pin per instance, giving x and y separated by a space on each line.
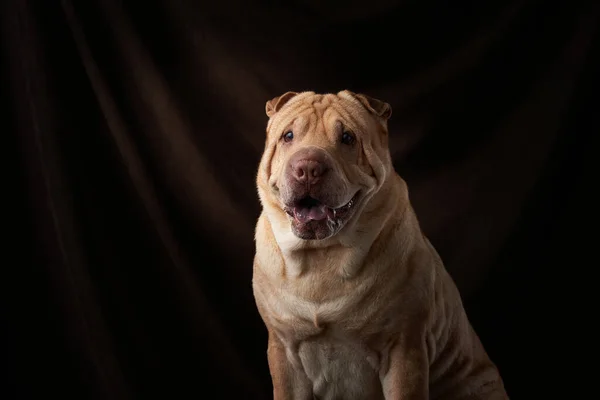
288 136
347 138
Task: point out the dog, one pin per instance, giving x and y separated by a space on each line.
356 301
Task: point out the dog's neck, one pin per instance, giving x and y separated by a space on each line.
351 245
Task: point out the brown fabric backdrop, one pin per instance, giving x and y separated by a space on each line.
136 128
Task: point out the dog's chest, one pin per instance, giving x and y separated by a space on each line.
306 310
323 338
339 367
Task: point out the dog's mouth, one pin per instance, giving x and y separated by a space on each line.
309 209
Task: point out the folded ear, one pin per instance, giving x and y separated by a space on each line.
276 103
380 108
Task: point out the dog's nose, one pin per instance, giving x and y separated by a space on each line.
308 167
308 171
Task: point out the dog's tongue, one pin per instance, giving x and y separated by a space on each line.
317 213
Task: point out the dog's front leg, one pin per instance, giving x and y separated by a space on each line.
289 381
407 376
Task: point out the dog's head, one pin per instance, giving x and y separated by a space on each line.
326 156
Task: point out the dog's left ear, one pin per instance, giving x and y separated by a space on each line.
276 103
380 108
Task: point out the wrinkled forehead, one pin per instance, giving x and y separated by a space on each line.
308 111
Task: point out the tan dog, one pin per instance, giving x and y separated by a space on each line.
356 300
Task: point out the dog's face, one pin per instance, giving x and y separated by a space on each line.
325 157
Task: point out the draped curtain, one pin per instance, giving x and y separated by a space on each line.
133 131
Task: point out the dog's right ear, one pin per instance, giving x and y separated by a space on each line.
276 103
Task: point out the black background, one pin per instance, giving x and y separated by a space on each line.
133 131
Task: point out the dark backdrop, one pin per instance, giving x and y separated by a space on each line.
134 129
